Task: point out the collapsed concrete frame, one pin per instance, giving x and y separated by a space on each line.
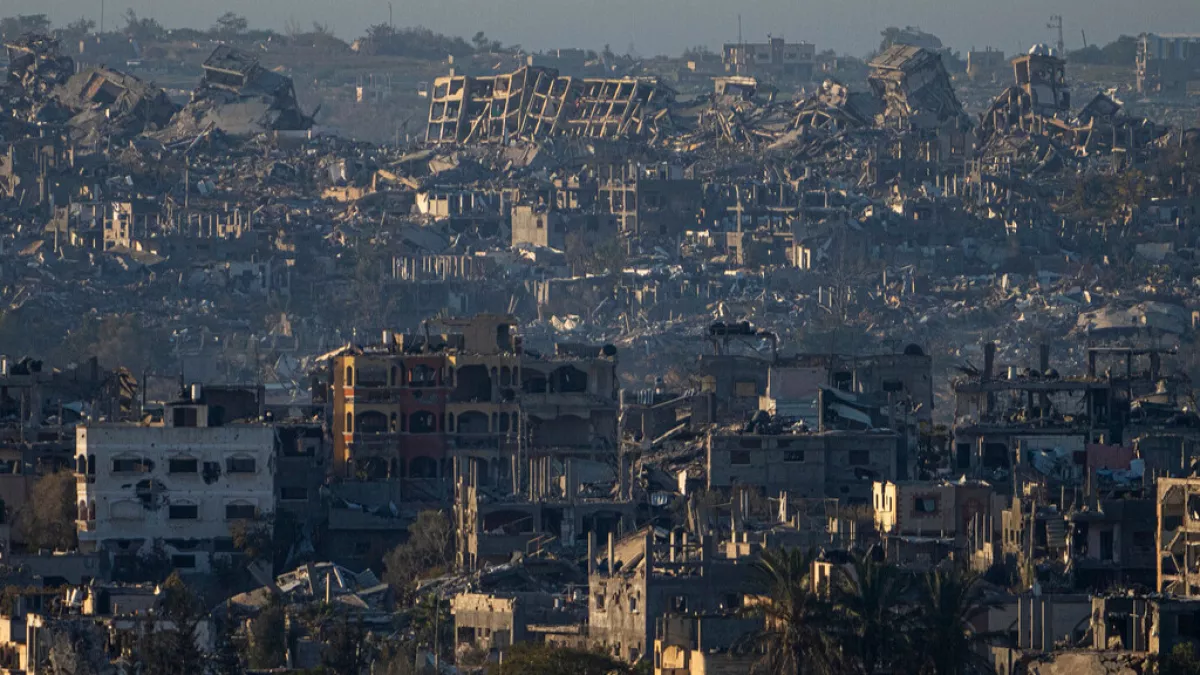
536 102
915 88
1179 536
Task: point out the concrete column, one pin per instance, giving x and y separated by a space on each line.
611 554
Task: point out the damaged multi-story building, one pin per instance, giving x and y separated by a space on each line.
536 102
409 407
644 579
169 493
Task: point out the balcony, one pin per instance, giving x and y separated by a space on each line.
373 395
375 442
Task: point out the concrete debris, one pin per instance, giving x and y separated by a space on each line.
580 351
240 97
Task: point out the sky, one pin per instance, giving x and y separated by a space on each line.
669 26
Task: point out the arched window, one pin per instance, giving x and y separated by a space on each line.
422 422
371 422
349 423
422 375
349 376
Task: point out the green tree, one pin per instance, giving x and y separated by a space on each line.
796 637
1121 52
869 597
15 26
47 521
142 29
79 28
433 625
949 604
528 658
231 23
1181 661
429 550
225 659
168 647
1131 189
115 340
75 648
254 538
268 636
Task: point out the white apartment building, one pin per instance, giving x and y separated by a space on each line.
180 485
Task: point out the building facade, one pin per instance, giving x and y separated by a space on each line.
180 486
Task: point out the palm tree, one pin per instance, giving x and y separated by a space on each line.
870 600
950 602
798 635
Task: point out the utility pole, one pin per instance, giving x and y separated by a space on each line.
102 17
741 54
391 22
1056 23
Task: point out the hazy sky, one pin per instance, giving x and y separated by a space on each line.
668 26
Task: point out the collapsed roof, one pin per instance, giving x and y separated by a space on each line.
116 102
915 89
1039 104
35 64
242 98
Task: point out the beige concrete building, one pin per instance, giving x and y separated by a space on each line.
837 464
942 509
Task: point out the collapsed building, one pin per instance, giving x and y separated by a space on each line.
1039 105
839 222
241 97
536 103
110 103
915 89
36 66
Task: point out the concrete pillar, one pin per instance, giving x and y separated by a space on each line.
611 554
591 553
